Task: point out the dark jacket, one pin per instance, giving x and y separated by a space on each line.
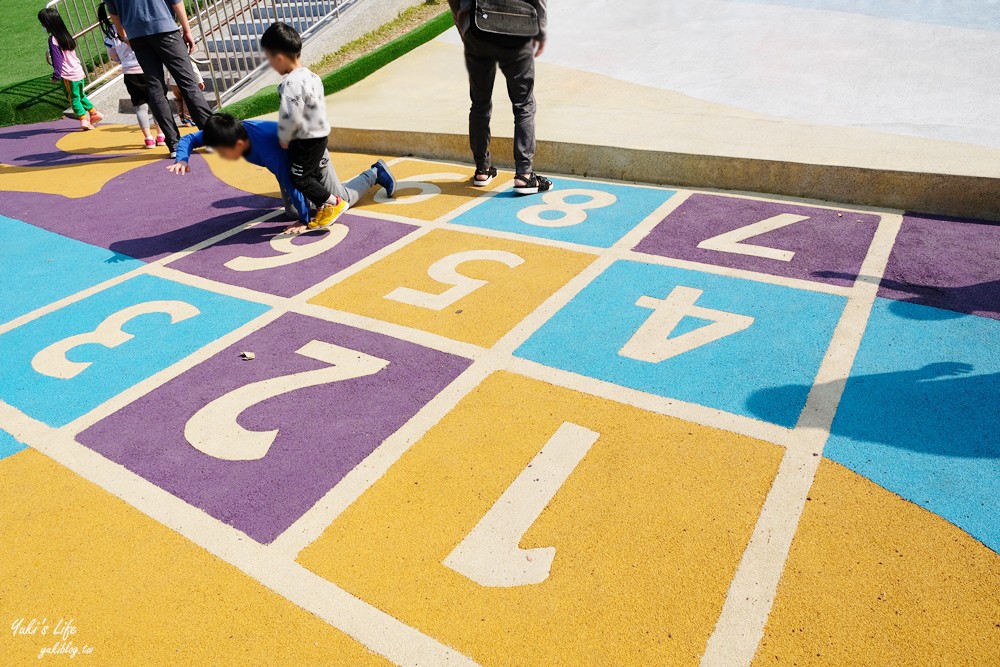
462 9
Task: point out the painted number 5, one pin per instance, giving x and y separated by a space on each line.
52 360
445 271
422 183
214 429
568 214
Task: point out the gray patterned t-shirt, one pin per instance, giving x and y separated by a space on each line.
302 112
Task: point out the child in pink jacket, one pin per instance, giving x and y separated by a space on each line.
66 66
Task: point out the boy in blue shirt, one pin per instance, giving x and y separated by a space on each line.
256 141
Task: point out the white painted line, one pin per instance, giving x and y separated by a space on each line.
373 628
740 627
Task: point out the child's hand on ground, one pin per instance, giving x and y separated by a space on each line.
179 168
201 86
297 228
283 145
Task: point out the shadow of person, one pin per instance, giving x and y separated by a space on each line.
978 298
942 409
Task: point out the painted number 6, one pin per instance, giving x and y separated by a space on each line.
571 214
52 360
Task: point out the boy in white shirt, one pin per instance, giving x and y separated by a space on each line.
302 126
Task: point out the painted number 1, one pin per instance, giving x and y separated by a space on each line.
489 554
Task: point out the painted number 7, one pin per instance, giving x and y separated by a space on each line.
214 429
489 554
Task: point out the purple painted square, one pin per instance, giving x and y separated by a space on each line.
146 213
946 263
323 431
263 259
828 247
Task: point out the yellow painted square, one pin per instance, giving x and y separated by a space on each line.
242 175
428 190
137 592
648 529
482 316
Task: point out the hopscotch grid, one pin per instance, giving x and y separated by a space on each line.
485 362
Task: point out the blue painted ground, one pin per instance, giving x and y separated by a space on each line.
784 345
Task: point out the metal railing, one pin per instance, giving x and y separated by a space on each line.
227 33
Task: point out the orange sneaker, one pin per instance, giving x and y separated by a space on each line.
328 214
85 123
95 116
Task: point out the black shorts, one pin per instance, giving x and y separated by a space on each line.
138 88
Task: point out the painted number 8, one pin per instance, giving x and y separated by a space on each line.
570 213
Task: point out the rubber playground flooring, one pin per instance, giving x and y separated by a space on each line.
610 425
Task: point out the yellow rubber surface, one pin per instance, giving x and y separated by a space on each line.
136 592
648 530
484 315
875 580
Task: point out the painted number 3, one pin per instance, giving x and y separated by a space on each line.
556 211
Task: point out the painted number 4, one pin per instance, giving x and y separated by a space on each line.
652 341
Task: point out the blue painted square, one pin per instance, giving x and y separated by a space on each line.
595 214
55 386
39 267
9 445
921 413
784 344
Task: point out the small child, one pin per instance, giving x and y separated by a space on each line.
66 66
182 111
302 126
135 80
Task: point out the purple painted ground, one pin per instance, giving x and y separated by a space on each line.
946 263
35 145
828 248
146 213
366 236
324 431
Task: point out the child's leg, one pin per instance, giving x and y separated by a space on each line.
306 156
83 97
75 91
181 111
142 115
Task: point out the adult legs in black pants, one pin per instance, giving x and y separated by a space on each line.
167 49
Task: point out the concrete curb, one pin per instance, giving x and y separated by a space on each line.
940 194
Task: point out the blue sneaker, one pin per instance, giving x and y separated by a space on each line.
385 178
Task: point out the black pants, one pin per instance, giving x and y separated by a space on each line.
516 60
308 161
167 49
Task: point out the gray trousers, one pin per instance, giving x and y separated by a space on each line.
518 66
167 49
352 191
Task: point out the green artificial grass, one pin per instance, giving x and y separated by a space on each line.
266 101
26 94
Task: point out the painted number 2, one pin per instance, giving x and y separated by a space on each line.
568 214
652 342
52 360
489 554
445 271
214 429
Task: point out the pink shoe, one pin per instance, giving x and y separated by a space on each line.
150 143
85 124
96 116
161 140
